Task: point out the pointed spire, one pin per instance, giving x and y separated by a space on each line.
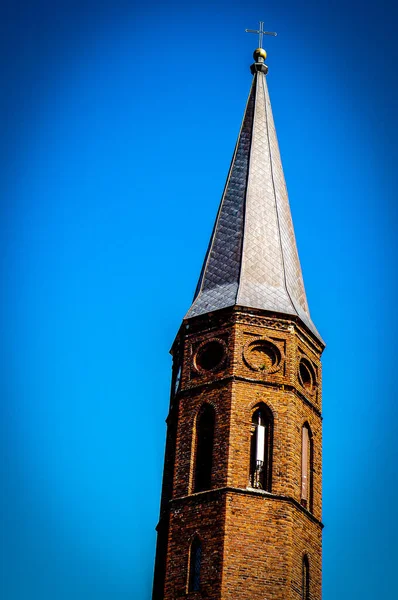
252 258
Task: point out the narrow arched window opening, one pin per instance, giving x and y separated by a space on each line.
204 448
261 448
307 468
195 563
306 579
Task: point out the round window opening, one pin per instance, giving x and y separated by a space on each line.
305 375
262 355
210 356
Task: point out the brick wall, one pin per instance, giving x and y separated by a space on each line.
265 540
253 542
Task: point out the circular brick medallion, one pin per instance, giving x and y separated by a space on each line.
262 355
210 356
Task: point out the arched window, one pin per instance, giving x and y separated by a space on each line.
307 468
261 448
195 563
204 448
306 579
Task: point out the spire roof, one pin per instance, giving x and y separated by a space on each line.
252 258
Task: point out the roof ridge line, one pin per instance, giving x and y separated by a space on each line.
276 200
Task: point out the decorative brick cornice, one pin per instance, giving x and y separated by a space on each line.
208 495
231 378
250 316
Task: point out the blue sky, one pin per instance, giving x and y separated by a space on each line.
119 122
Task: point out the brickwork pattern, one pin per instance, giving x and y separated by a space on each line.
253 541
200 515
265 541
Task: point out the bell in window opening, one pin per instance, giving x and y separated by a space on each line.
261 449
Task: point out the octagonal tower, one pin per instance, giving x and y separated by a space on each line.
241 503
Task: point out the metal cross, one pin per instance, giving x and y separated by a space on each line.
261 33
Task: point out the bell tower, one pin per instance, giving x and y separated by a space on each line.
241 505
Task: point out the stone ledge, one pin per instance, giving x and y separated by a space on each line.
231 378
198 496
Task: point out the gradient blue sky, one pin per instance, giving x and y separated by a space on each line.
118 124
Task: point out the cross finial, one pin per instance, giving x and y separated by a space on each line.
261 33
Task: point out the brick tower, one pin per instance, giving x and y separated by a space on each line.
240 515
